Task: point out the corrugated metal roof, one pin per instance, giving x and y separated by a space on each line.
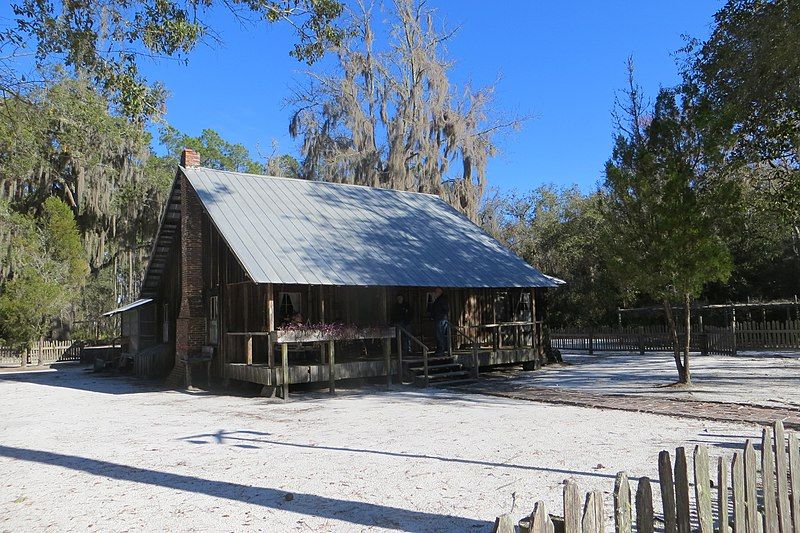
287 230
128 307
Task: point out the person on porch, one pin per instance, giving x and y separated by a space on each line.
401 317
440 311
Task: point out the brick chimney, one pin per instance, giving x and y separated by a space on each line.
190 324
190 158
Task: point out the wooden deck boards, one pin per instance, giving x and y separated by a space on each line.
318 373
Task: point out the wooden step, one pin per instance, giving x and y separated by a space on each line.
433 369
448 375
419 360
453 382
444 378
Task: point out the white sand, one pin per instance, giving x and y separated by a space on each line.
85 452
752 378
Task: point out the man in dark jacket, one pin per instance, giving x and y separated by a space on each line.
440 311
401 317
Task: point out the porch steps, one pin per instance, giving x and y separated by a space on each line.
442 371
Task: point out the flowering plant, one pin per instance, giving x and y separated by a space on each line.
333 330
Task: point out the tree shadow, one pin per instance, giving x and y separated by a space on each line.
354 512
257 439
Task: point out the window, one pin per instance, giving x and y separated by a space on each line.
213 320
502 307
289 303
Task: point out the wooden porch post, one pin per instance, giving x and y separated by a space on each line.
248 350
535 329
399 335
331 368
322 321
285 370
387 343
270 325
387 358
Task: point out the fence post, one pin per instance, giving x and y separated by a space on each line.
702 490
794 476
593 516
768 482
667 492
641 340
644 506
738 493
723 511
572 508
733 329
750 490
591 337
682 491
782 479
622 504
504 524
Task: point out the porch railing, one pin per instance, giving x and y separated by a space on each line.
474 343
403 331
517 327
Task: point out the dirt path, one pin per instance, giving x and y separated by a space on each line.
720 411
751 388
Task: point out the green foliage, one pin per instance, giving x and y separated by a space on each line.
108 40
26 303
44 268
559 230
660 209
63 140
744 83
215 152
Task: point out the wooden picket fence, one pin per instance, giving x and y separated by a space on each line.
768 334
745 502
45 352
729 340
638 341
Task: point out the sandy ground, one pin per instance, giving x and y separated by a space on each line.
86 452
758 379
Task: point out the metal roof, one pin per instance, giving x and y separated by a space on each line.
286 230
128 307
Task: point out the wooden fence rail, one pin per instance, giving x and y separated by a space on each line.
746 501
44 352
712 340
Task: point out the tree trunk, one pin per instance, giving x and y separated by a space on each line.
687 377
130 275
676 348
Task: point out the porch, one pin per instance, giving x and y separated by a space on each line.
319 356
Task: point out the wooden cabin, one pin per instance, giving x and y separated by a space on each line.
239 257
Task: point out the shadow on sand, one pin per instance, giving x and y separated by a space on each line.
354 512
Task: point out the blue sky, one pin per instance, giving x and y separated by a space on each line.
559 61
